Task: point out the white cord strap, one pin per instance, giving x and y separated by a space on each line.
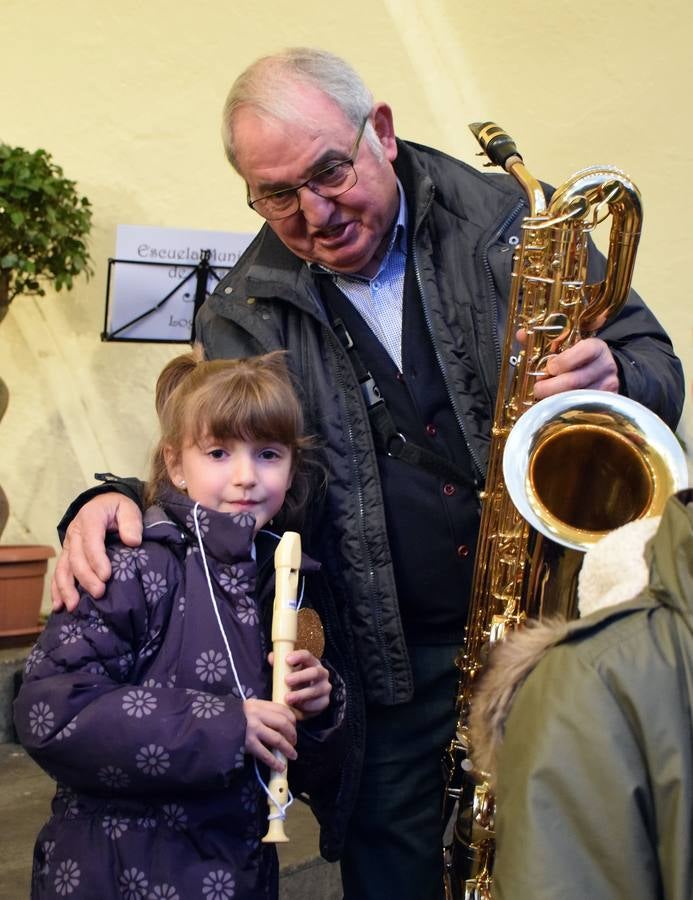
281 807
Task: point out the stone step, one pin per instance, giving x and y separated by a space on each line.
25 802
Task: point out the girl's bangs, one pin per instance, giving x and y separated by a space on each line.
245 413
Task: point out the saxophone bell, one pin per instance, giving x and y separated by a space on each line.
582 463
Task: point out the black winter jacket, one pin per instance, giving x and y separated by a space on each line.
462 229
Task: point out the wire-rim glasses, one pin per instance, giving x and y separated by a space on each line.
330 182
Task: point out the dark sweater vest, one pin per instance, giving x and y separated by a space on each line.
432 523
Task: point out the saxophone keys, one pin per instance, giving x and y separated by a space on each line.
497 630
484 807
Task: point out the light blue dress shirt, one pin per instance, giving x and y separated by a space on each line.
379 299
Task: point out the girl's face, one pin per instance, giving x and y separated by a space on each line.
234 476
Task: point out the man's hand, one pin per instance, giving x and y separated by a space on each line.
587 364
84 556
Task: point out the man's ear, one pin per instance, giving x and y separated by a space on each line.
385 129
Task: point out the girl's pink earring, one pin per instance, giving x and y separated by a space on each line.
181 484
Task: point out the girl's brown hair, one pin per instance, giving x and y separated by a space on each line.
249 399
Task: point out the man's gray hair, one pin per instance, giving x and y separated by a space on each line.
268 86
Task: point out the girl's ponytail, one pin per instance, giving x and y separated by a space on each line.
174 373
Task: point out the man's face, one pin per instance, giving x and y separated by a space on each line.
346 233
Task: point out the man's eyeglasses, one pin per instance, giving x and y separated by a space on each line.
329 182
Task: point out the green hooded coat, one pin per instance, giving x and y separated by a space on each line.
593 753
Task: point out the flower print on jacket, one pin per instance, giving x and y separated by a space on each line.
154 585
234 580
66 878
211 666
139 703
41 719
219 885
153 759
133 884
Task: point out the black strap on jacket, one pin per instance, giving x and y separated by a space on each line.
388 439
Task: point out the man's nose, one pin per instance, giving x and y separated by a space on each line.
316 210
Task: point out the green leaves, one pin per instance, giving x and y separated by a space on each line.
44 224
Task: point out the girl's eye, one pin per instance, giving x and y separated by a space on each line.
217 453
268 453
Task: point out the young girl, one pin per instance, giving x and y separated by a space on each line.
149 707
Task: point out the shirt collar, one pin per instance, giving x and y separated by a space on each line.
397 237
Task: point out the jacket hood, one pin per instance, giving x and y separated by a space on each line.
510 662
646 563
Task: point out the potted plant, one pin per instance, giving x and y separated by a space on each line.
44 225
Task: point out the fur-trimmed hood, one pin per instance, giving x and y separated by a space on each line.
615 574
510 662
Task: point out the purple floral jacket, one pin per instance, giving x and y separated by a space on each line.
131 705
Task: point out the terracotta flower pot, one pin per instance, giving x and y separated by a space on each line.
22 571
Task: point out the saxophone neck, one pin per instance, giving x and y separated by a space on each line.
502 151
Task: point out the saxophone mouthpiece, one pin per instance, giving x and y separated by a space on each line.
496 143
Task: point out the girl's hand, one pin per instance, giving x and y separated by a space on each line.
269 726
308 683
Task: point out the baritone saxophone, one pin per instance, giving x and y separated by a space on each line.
619 476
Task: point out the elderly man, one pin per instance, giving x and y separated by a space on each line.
383 269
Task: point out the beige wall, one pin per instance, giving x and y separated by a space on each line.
126 96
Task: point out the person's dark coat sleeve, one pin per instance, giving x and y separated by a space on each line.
128 487
649 370
321 741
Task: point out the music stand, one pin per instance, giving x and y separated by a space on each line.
201 272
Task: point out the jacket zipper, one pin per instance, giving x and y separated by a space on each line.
385 661
472 453
489 276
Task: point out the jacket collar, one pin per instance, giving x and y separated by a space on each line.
277 272
424 172
669 559
228 538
